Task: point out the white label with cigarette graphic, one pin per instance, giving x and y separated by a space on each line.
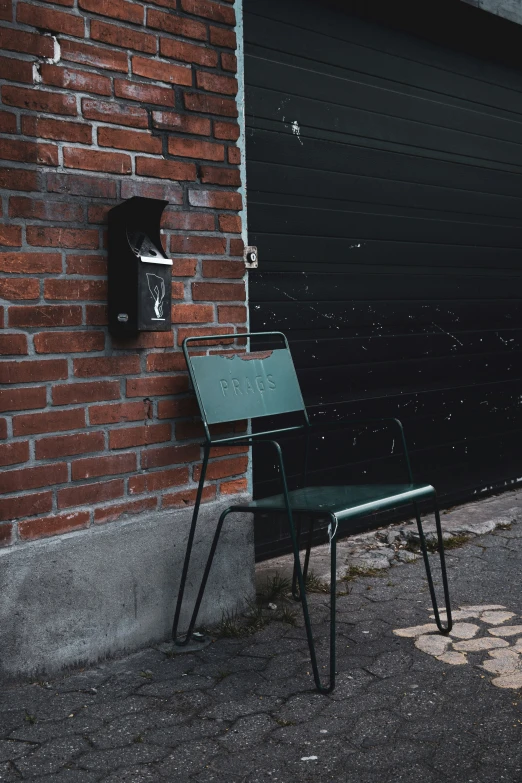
157 291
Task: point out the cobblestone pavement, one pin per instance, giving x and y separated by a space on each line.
243 710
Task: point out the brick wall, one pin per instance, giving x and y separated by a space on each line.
102 100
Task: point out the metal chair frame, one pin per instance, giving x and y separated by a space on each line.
283 503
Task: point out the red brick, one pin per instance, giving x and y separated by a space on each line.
162 71
214 11
236 247
92 160
234 155
6 535
10 235
177 25
111 513
114 414
13 344
229 269
98 213
187 497
48 19
29 371
169 455
69 445
210 104
45 315
81 185
129 437
81 81
69 393
53 526
14 453
214 82
145 340
230 224
223 468
54 421
214 175
232 314
86 265
106 365
42 236
55 211
129 140
169 191
85 54
153 387
123 37
226 130
69 342
166 362
188 221
3 429
30 263
183 123
184 267
23 399
22 479
229 62
94 467
7 121
56 129
105 111
178 290
161 479
189 53
197 244
88 494
165 169
18 179
144 93
31 43
16 70
118 9
75 289
96 315
25 505
29 152
192 148
172 409
221 37
202 331
39 100
6 10
192 314
235 487
215 199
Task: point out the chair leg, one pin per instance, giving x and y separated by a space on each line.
440 542
204 578
188 552
295 594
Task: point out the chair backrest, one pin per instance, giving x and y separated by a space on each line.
234 386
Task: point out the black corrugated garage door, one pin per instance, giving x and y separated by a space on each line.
385 196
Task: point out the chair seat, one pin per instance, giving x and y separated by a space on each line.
343 501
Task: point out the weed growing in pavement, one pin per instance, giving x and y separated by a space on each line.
356 571
315 585
275 588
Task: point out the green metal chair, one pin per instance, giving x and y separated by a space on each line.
233 386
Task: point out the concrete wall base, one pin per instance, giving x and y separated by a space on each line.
76 599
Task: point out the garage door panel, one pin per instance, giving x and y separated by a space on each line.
280 179
377 67
412 132
336 222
